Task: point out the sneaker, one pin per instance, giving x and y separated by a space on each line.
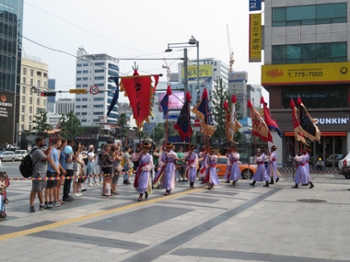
97 184
83 189
91 184
32 209
42 206
76 195
56 204
80 194
49 206
66 199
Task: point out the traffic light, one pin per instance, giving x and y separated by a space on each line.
48 93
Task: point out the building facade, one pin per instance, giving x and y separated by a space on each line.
34 76
65 105
50 106
95 70
11 24
307 55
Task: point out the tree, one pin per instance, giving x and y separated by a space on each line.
41 126
219 114
70 126
122 123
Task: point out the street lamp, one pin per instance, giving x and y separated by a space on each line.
193 41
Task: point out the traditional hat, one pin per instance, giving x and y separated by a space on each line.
169 145
191 147
263 149
146 145
274 147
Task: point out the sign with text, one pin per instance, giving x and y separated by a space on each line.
205 72
320 73
77 91
255 38
254 5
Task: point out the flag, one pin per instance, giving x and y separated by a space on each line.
183 124
165 101
115 96
298 130
311 131
232 124
270 122
201 110
260 128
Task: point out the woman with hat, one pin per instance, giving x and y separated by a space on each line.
301 176
272 168
260 173
227 176
157 182
169 171
307 151
235 172
211 177
191 165
142 177
203 168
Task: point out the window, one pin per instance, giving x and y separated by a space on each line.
22 118
78 86
112 73
30 118
85 78
85 64
96 120
99 77
44 84
99 71
77 113
98 99
30 109
24 71
30 127
38 101
78 99
77 106
24 80
98 113
78 72
31 81
84 99
84 106
309 14
100 84
22 127
309 53
23 99
23 109
38 85
78 78
83 120
84 113
38 73
30 100
100 64
23 90
31 72
78 65
98 106
85 71
113 67
30 91
37 110
85 85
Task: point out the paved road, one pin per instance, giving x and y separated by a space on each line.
11 168
224 224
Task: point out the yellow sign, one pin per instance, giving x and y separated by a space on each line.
320 73
77 91
205 72
255 38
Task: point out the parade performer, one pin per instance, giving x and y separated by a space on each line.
235 172
191 165
227 176
169 171
260 173
203 168
142 179
4 183
157 182
301 176
211 177
307 151
272 168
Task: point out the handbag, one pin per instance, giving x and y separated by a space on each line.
82 177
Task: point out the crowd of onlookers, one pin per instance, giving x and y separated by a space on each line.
65 164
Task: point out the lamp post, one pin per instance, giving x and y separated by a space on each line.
193 41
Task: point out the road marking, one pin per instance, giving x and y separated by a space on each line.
93 215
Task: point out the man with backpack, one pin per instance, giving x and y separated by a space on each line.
39 160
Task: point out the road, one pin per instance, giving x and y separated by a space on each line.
241 223
11 168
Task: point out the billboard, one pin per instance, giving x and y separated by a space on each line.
255 38
205 72
175 101
254 5
319 73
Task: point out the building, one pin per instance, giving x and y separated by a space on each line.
307 54
53 119
50 107
34 78
11 18
65 105
95 70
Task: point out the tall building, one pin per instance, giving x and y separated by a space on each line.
307 54
51 99
65 105
11 19
34 76
95 70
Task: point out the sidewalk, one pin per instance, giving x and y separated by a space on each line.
241 223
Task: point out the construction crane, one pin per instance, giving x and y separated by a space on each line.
231 61
167 70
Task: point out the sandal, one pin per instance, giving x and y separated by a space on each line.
140 198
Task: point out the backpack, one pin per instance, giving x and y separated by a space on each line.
122 163
99 158
26 167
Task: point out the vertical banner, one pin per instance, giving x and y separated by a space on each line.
255 37
254 5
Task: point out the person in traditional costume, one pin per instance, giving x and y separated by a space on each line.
142 181
301 176
307 151
203 168
227 176
235 171
272 168
260 174
191 165
4 183
157 182
169 171
211 177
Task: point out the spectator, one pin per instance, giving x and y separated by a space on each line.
60 181
99 162
319 165
180 161
116 168
39 159
68 161
107 163
127 165
77 167
91 170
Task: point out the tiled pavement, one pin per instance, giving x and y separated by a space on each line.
224 224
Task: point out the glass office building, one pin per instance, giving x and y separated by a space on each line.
11 24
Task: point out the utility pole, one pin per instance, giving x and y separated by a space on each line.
185 73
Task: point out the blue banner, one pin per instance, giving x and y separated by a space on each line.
254 5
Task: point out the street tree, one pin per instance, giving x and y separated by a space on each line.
41 126
70 126
122 126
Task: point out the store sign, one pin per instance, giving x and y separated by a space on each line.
205 72
332 121
255 38
254 5
4 105
320 73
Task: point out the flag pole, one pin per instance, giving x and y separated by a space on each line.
166 127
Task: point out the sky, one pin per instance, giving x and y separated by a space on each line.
135 29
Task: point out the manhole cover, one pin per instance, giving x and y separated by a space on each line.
311 200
